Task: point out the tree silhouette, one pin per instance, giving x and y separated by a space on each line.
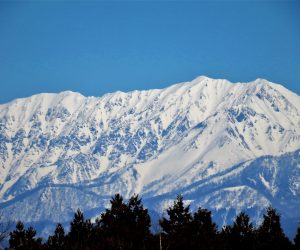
18 237
126 226
177 226
203 230
21 239
242 232
114 223
57 240
270 235
297 239
80 232
225 238
139 222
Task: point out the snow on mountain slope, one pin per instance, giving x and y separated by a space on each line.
63 151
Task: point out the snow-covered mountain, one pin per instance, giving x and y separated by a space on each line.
227 147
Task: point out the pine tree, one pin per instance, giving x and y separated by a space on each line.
80 231
57 241
177 225
140 222
225 238
21 239
242 233
114 223
18 237
203 230
270 235
126 226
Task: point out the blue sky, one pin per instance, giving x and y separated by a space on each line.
95 47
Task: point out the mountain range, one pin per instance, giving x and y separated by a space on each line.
227 147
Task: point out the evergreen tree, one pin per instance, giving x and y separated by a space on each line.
297 239
140 222
203 230
21 239
242 233
98 238
177 225
126 226
18 237
80 232
270 234
114 223
225 241
57 241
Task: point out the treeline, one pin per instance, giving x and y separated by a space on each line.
126 225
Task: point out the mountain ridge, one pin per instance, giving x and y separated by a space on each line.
197 79
149 142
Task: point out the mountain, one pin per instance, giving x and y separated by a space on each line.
227 147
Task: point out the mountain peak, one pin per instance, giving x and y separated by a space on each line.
62 151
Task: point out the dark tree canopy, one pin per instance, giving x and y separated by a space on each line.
241 234
177 225
270 234
80 232
126 225
203 230
57 240
24 239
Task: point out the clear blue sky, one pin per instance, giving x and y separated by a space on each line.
95 47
